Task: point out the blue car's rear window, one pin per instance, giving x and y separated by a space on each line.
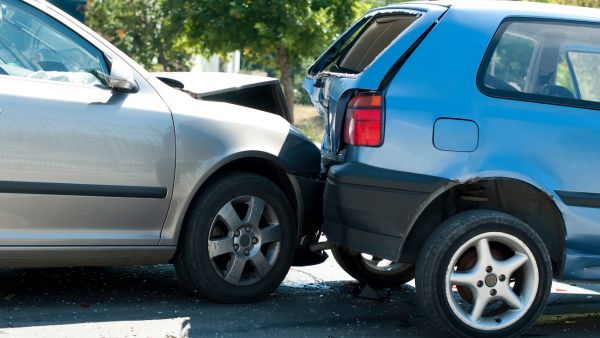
370 41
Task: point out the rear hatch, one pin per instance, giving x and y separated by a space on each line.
363 60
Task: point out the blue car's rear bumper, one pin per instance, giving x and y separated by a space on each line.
369 209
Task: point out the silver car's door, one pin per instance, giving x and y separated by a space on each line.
80 164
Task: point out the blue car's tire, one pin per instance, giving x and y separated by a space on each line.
484 273
370 271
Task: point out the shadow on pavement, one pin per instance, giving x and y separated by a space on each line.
41 297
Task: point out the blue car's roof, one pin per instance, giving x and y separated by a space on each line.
512 8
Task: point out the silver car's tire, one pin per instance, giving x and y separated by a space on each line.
239 240
373 271
484 273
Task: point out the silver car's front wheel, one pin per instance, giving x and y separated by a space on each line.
245 240
239 240
484 274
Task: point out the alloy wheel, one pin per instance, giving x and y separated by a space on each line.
244 240
498 287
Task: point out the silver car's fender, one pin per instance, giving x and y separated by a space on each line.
212 134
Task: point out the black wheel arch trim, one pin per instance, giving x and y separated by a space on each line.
452 184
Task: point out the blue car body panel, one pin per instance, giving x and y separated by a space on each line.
338 87
553 148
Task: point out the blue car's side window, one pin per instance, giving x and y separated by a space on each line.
512 61
585 67
546 61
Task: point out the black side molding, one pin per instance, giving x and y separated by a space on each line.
68 189
580 199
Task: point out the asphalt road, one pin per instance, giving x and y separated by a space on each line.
318 301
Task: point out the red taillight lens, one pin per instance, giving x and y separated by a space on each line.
363 125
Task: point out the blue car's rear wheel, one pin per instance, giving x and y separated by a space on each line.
373 271
484 273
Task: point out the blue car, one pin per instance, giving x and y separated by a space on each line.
462 146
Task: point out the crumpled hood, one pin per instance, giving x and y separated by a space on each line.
186 108
257 92
209 83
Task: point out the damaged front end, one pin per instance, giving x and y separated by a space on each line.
256 92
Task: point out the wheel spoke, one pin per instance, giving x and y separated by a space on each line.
484 255
261 264
220 247
234 274
478 308
256 208
467 278
270 234
230 217
511 298
512 264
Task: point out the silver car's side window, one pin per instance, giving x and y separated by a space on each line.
546 61
34 45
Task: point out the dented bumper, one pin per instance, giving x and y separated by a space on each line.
369 209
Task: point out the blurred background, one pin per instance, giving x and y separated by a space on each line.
276 38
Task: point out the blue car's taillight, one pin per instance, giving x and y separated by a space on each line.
363 124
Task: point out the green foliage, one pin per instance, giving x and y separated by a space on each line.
281 37
260 28
274 34
582 3
144 29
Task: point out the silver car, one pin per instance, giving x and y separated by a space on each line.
101 163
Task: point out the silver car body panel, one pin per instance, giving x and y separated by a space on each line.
89 176
205 123
62 134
